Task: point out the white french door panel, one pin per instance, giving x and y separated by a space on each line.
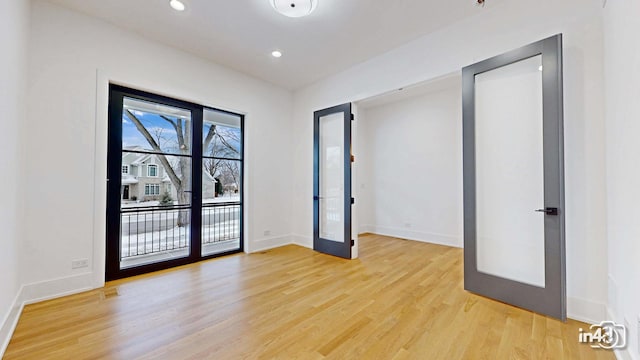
510 172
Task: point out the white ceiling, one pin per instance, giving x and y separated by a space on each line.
241 34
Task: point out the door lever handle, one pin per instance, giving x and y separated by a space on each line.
549 211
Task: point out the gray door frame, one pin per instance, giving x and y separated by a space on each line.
550 300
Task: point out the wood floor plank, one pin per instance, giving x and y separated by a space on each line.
400 300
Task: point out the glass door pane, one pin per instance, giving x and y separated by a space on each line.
510 172
332 186
221 182
155 210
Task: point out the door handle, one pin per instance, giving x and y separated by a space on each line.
549 210
319 198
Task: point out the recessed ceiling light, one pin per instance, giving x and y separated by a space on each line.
177 5
276 53
294 8
540 68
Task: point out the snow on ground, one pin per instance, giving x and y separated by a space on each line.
176 238
155 230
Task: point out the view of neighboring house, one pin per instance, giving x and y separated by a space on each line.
145 179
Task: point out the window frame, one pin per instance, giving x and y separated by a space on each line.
149 189
152 166
117 94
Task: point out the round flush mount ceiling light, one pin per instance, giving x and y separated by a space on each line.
177 5
276 53
294 8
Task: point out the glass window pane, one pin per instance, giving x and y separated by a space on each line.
221 182
155 216
332 177
153 127
221 135
149 189
150 235
509 172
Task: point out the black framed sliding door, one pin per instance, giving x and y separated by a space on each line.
175 175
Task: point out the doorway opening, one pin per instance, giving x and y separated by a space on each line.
481 159
408 169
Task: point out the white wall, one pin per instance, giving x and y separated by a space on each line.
410 157
622 88
508 26
73 57
14 26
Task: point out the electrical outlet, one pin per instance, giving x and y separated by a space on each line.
79 264
267 233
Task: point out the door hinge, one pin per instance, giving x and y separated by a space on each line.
353 242
353 201
353 158
352 117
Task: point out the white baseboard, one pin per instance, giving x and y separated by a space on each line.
41 291
55 288
365 229
586 310
9 323
270 243
302 240
626 353
434 238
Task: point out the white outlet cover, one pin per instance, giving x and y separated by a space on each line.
78 264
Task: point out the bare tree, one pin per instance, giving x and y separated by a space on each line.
219 147
212 149
231 173
183 140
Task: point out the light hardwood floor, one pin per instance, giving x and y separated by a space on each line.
400 300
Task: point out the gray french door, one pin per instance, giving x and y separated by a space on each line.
332 181
514 218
